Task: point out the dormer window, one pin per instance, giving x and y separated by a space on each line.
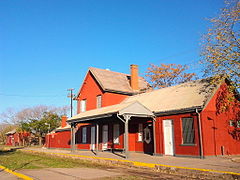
83 105
99 101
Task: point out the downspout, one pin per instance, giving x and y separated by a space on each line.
154 136
200 134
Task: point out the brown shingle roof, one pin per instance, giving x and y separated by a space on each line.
115 81
182 96
193 94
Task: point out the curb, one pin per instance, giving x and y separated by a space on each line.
141 164
22 176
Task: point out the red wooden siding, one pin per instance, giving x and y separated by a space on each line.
179 148
58 140
90 90
217 139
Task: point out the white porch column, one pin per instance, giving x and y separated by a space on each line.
97 138
73 137
126 147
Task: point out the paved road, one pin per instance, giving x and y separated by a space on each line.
67 173
5 175
222 163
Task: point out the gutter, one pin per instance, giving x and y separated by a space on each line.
200 134
90 118
179 111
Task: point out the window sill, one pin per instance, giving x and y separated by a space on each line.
188 145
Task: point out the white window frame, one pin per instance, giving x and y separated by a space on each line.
99 101
83 105
84 135
116 133
140 132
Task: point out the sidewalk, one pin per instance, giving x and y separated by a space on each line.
216 164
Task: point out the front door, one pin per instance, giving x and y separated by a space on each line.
93 136
104 137
148 138
168 137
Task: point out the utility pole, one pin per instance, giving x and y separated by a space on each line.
71 96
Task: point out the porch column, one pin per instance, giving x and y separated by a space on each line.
73 137
154 136
97 137
126 137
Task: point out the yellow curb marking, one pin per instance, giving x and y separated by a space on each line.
16 173
136 163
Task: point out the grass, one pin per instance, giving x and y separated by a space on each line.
15 160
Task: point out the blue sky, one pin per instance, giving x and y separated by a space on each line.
46 47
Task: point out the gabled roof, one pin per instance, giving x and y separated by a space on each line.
193 94
116 82
67 127
180 98
11 132
134 108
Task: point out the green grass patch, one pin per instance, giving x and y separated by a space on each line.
16 160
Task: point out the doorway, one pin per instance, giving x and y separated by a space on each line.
93 138
104 137
168 137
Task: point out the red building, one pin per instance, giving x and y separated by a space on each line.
119 112
15 138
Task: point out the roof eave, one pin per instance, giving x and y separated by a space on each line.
90 118
179 111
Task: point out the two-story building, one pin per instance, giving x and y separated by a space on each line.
120 112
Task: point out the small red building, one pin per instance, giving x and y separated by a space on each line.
117 111
15 138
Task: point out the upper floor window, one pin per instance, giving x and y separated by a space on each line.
83 105
99 101
188 131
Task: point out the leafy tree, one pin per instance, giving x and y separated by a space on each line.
40 127
221 45
168 74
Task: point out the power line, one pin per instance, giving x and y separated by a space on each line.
21 95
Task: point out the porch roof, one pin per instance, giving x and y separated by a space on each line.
11 132
132 108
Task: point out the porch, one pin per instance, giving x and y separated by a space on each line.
126 127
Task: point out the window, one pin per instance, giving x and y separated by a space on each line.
238 124
116 133
140 132
188 131
84 134
83 105
231 123
99 101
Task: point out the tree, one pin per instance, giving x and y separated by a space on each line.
221 45
167 75
40 127
12 116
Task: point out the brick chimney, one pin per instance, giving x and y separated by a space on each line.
134 77
64 121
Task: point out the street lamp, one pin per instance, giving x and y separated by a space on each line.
47 124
